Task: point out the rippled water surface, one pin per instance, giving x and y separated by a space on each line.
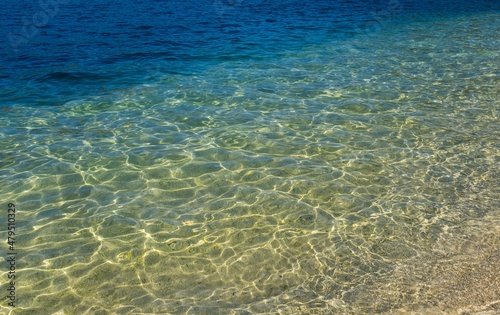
253 157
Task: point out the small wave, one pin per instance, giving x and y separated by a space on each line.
73 77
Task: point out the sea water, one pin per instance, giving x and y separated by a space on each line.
251 157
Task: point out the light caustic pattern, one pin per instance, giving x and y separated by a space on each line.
331 181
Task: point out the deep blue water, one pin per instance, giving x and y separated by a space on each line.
56 51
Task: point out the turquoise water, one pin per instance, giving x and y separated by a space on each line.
340 174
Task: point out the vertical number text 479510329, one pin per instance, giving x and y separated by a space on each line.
11 253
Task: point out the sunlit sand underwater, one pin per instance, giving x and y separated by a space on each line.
357 176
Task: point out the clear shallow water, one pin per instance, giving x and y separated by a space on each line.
335 170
